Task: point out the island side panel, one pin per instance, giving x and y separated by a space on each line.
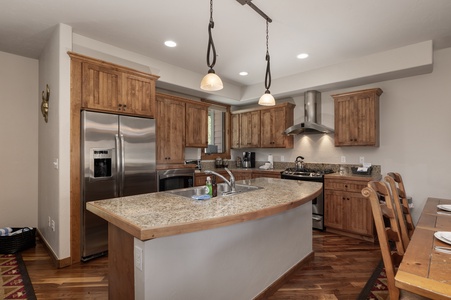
120 264
233 262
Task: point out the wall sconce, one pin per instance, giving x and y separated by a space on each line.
45 104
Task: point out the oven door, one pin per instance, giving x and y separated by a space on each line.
175 179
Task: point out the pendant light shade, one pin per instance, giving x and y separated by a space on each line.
211 81
267 99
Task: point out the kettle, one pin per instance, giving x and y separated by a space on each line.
299 162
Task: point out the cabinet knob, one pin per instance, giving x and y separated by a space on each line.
124 107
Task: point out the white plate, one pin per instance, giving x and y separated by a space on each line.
444 236
444 207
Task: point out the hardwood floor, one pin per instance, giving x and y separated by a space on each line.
340 269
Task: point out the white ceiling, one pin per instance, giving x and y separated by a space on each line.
330 31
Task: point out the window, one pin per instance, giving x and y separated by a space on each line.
218 132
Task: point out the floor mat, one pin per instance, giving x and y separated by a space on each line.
14 280
376 287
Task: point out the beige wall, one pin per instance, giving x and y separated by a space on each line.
415 115
20 104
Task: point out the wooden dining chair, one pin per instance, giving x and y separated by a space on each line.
397 178
399 210
389 235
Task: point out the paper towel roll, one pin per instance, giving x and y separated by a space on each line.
271 161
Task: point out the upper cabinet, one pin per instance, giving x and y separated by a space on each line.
357 118
170 130
250 129
112 88
180 123
274 122
263 127
196 129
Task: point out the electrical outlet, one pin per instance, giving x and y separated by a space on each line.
343 159
139 258
53 225
50 222
362 160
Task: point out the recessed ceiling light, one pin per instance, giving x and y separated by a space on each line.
244 73
170 44
302 55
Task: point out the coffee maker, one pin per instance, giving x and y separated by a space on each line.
248 159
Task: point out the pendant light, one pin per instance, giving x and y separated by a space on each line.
267 99
211 81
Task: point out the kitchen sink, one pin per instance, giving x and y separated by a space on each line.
223 190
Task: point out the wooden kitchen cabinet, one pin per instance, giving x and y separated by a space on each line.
250 129
346 210
235 128
357 118
196 130
266 174
242 174
274 121
111 88
263 128
170 129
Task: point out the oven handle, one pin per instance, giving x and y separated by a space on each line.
316 218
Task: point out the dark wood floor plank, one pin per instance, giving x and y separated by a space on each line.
339 270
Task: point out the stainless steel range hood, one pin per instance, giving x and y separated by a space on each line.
312 116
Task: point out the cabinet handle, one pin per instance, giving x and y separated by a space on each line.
124 107
120 106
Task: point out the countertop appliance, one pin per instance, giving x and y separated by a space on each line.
248 160
317 203
117 159
172 179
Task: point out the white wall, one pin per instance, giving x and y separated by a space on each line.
20 109
54 143
415 133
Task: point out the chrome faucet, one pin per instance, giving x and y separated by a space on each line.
230 183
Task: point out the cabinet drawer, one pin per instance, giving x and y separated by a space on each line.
344 185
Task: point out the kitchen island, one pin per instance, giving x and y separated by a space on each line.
165 246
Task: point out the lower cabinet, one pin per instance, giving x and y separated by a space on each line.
346 211
266 174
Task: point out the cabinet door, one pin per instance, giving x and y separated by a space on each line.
138 95
357 118
358 215
170 131
236 125
250 129
273 125
333 209
101 88
196 130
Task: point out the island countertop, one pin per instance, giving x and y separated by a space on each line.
153 215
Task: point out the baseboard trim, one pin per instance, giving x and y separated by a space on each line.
276 285
58 263
372 239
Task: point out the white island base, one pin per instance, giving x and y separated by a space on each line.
240 261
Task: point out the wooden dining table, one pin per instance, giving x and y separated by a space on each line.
424 270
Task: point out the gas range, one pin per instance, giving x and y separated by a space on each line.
313 175
301 174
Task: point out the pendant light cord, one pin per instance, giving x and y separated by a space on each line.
268 66
211 44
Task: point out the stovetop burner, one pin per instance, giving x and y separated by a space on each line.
306 172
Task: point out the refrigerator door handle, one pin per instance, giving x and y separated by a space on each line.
122 174
118 166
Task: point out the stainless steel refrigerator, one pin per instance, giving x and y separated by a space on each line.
118 159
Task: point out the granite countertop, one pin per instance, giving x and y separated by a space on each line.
161 214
